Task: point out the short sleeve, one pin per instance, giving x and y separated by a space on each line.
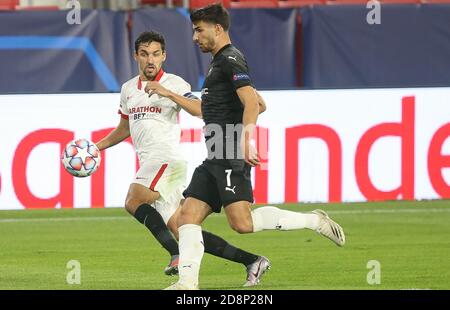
236 70
123 108
184 89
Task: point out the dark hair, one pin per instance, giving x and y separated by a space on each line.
214 13
148 37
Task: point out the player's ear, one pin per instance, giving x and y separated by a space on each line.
218 29
164 56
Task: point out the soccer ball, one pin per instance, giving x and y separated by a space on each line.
81 158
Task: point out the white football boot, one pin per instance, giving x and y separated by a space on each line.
256 270
329 228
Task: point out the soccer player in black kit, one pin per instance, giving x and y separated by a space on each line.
230 110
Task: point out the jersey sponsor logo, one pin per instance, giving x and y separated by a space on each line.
146 109
138 113
241 76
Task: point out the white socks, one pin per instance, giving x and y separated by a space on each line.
191 252
274 218
191 239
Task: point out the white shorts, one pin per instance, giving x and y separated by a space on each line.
169 179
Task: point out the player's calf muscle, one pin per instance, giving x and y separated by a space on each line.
172 225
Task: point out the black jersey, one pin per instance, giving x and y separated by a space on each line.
227 72
221 105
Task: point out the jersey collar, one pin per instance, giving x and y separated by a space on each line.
157 78
221 50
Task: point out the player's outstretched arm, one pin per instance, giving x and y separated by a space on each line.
190 105
120 133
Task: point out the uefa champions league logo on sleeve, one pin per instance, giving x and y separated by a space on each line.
74 14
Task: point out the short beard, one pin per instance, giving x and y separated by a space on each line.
210 47
149 77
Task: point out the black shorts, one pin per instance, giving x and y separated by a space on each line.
220 183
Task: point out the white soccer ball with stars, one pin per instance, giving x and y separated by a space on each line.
81 158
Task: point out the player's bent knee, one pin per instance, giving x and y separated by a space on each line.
188 216
131 205
185 217
242 228
193 211
138 195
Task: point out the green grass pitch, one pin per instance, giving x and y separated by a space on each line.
410 240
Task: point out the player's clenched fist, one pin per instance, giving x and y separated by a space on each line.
153 87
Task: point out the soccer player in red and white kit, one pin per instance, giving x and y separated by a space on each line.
149 105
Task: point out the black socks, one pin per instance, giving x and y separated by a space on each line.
218 247
148 216
214 244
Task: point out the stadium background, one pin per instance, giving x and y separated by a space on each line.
357 112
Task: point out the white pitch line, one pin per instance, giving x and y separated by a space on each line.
114 218
66 219
380 211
